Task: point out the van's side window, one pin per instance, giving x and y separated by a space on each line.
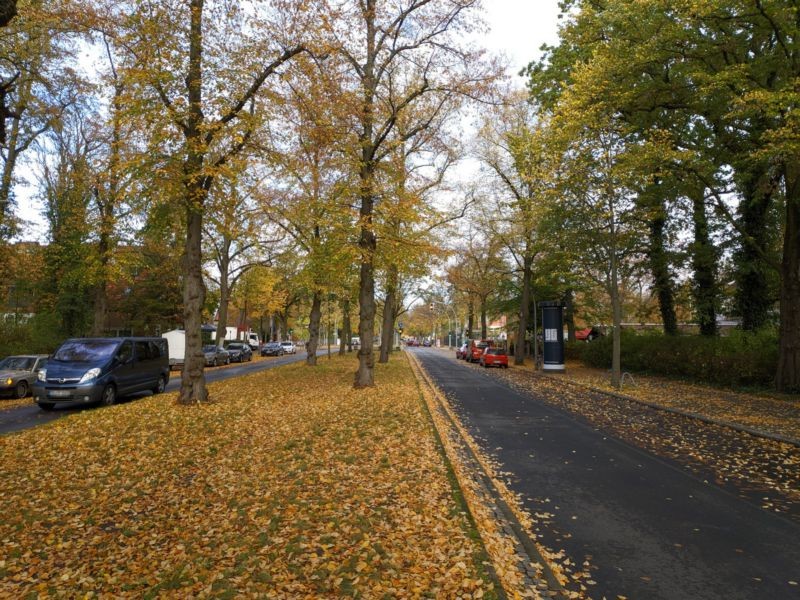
155 349
125 352
142 350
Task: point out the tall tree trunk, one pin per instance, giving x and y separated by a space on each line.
365 376
389 312
107 204
660 268
367 242
569 313
524 308
193 383
224 300
704 260
484 326
313 328
788 376
10 163
753 300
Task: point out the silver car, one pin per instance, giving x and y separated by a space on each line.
17 373
215 355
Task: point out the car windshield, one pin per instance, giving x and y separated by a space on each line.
494 351
482 344
236 346
85 350
273 345
17 363
286 343
210 348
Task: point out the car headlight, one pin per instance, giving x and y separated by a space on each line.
9 381
89 375
41 375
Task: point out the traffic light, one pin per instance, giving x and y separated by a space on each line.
400 330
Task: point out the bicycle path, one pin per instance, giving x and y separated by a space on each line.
646 527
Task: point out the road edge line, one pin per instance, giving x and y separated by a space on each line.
545 583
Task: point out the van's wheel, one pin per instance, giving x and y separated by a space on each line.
161 385
109 396
21 390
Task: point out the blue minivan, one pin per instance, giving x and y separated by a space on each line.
100 370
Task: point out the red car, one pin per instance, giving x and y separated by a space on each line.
476 348
494 357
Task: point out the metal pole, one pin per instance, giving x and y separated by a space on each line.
535 338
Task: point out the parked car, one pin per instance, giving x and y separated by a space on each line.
288 347
272 349
215 355
426 343
494 357
461 352
18 373
91 370
588 334
476 348
239 352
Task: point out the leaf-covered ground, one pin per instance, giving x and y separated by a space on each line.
290 484
772 413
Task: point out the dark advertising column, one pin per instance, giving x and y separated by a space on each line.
553 328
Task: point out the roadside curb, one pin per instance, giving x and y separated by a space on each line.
677 411
527 553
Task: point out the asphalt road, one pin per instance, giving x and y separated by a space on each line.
648 527
16 419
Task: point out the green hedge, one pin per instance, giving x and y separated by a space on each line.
738 359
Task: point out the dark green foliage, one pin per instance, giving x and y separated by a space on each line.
38 335
739 359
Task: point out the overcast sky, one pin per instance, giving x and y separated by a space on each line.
520 27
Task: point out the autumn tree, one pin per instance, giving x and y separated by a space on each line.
37 83
194 71
309 197
476 273
237 239
596 198
408 219
511 148
66 190
398 56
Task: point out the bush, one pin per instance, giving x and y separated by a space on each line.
739 359
38 335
